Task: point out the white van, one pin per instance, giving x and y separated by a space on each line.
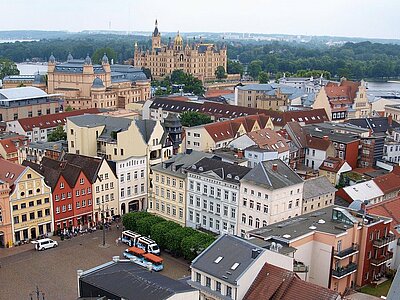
129 237
44 244
148 245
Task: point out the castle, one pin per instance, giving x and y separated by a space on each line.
198 59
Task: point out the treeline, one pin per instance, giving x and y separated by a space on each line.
79 46
170 236
352 60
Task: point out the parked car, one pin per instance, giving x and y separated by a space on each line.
44 244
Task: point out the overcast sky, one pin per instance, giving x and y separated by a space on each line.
353 18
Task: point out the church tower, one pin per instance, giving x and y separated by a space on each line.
156 38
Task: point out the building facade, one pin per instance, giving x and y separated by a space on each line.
87 85
318 193
269 193
213 194
198 59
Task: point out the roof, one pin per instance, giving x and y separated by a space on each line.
388 183
220 131
50 175
366 190
380 124
332 164
9 171
264 174
388 208
225 171
69 171
346 89
296 133
269 139
90 165
276 283
11 144
316 221
28 92
53 120
329 130
219 258
177 165
130 281
317 143
317 186
146 128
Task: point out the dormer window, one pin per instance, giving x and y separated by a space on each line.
200 168
229 176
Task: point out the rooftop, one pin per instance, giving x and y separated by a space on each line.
9 171
227 258
322 220
130 281
272 174
269 139
388 208
366 190
317 186
22 93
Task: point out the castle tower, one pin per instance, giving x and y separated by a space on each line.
178 43
156 38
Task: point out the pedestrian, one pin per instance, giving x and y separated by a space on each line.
117 226
116 242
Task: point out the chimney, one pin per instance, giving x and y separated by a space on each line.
390 120
325 137
254 253
275 167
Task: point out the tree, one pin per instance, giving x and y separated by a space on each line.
190 83
7 67
129 221
175 237
69 108
194 118
220 72
235 67
254 68
57 134
99 53
144 225
193 245
263 77
159 230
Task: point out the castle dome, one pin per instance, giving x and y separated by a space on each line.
98 83
70 57
52 59
88 60
104 60
178 39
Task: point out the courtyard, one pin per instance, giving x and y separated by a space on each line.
54 270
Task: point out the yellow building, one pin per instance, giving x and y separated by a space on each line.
167 196
265 96
198 59
30 202
88 85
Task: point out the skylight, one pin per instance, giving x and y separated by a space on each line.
218 259
235 265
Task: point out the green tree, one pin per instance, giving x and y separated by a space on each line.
254 68
190 83
69 108
147 72
234 67
220 72
193 245
263 77
175 237
57 134
129 221
7 67
159 230
194 118
144 225
99 53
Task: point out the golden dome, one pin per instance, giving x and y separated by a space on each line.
178 39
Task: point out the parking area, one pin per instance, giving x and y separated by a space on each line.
54 270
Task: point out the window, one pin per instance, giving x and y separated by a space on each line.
205 204
243 218
251 204
257 223
47 212
23 217
233 197
31 203
198 277
233 213
204 221
218 286
61 185
226 195
218 208
122 178
290 204
16 219
250 221
244 202
57 210
208 281
77 193
229 291
78 205
81 181
15 207
23 205
225 210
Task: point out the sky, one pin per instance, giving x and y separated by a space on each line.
350 18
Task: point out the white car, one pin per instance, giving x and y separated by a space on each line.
44 244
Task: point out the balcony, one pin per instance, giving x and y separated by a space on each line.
344 271
382 259
346 252
299 267
379 243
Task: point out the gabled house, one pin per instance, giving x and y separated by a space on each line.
333 167
10 144
317 150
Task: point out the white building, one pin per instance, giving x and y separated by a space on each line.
269 193
255 155
317 151
213 195
132 183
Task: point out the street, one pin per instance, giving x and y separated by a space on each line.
54 270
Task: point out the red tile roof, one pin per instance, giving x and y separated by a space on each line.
276 283
332 164
10 144
388 183
390 209
346 89
10 171
53 120
221 131
317 143
217 93
269 139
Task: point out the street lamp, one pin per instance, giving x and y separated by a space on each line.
103 211
38 294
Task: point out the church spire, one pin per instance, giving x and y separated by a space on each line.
155 32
